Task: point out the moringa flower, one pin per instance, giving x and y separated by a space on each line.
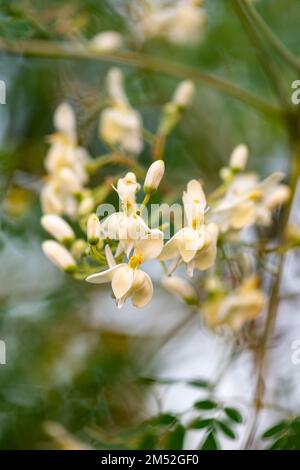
93 229
239 157
179 22
196 243
184 94
180 287
120 124
127 280
58 228
248 201
154 176
236 308
59 255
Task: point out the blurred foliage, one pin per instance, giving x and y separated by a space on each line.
59 368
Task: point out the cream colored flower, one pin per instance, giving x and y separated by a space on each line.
180 287
120 124
127 226
239 157
59 255
93 229
127 280
235 309
154 176
249 201
196 243
180 22
184 94
58 228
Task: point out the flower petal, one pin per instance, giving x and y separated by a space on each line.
151 246
104 276
122 281
143 296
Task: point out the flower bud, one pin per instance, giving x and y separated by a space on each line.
93 229
70 180
86 206
78 248
239 157
154 176
59 255
184 94
64 120
181 287
108 41
58 228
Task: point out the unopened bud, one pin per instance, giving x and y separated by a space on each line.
181 287
64 120
184 94
93 229
59 255
78 248
154 176
58 228
239 157
108 41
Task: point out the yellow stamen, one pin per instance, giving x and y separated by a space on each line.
135 261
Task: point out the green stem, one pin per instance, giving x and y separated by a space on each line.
276 43
69 50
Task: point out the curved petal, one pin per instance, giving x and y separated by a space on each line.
151 246
110 227
143 296
104 276
171 250
122 281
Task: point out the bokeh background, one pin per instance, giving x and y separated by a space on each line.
72 357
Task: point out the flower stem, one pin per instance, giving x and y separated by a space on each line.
71 50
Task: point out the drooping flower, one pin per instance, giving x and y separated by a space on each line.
120 124
235 309
127 280
196 243
180 287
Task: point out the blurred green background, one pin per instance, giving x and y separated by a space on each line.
61 366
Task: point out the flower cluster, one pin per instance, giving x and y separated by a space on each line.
112 249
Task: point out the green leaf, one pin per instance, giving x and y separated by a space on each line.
226 429
175 438
199 383
199 423
233 414
164 419
274 430
205 405
210 442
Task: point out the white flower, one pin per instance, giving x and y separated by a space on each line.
180 23
127 226
180 287
107 41
154 176
127 280
184 94
237 308
59 255
196 243
93 229
58 228
65 122
239 157
248 201
120 124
